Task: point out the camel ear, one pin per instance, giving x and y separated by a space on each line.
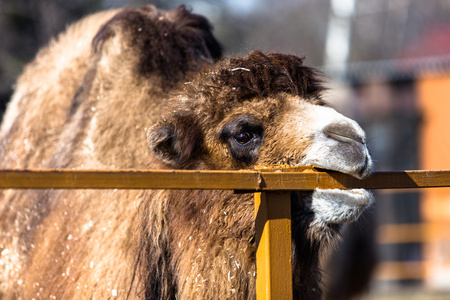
177 143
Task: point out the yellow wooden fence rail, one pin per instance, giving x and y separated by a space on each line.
271 186
264 179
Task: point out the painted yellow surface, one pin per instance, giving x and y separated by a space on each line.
273 242
287 179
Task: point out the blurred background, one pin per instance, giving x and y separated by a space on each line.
388 65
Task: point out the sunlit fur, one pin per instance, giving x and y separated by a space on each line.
148 92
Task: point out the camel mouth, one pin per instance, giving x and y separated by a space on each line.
335 206
360 173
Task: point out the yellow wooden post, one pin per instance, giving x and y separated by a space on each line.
273 242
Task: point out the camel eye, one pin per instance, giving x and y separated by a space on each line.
243 138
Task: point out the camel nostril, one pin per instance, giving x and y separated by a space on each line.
344 132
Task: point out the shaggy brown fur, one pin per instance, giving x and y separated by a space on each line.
75 108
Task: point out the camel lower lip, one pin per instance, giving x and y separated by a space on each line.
334 206
352 197
356 197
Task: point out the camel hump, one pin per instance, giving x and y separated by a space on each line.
165 42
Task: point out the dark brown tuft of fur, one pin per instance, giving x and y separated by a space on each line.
165 41
258 75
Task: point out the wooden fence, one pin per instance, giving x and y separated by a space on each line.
270 185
